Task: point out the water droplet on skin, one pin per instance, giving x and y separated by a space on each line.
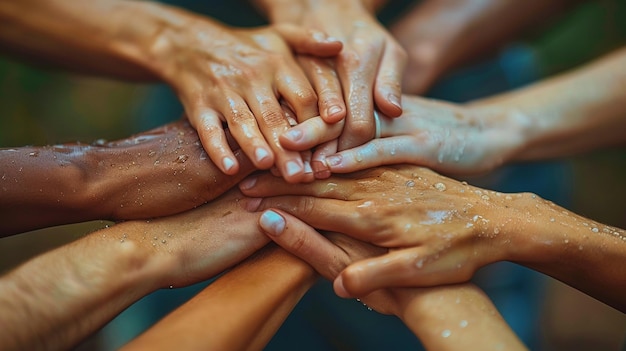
440 186
594 229
171 286
163 241
463 323
181 159
34 154
410 184
420 263
446 333
551 219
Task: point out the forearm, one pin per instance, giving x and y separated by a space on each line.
57 299
104 37
44 186
569 114
252 301
455 317
580 252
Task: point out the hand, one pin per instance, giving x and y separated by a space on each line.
438 230
201 243
237 76
155 173
447 137
369 68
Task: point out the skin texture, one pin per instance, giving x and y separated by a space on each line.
440 231
368 69
558 117
155 173
56 299
221 74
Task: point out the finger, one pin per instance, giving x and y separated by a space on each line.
295 89
356 70
318 161
264 185
272 122
387 87
377 152
303 241
326 83
308 171
310 133
214 141
412 267
243 127
323 214
309 41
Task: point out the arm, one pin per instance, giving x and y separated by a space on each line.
252 300
155 173
55 300
442 34
440 231
220 74
569 114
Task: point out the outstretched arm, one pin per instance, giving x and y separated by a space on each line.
155 173
57 299
569 114
440 231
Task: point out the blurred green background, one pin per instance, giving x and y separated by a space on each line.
40 106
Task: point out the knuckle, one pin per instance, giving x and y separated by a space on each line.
361 128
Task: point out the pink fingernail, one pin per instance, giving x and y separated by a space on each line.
332 161
228 163
272 223
293 134
260 154
248 183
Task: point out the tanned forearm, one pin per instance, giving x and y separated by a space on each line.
119 39
455 317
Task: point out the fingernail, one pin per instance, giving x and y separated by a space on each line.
333 160
260 154
340 289
228 163
293 134
333 110
307 167
251 204
395 100
272 222
247 183
293 167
